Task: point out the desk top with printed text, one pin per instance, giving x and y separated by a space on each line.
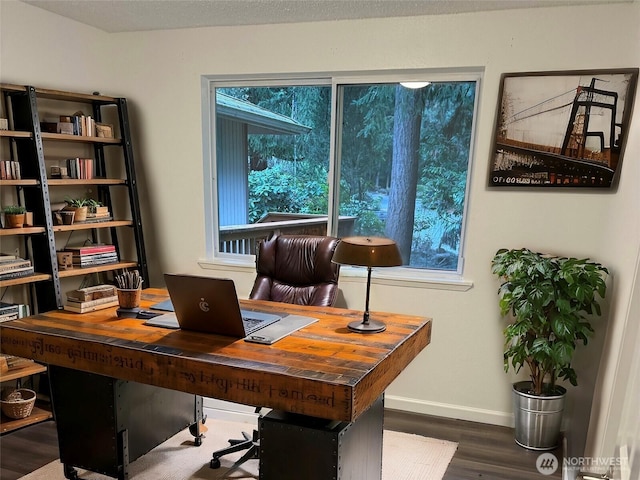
323 370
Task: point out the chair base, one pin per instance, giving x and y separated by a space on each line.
249 443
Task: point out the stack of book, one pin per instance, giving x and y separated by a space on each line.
99 214
77 124
12 266
90 299
11 362
9 170
80 168
92 255
11 311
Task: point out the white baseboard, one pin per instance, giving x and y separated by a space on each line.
232 412
242 413
231 416
447 410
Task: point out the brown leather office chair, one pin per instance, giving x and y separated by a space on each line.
297 269
291 269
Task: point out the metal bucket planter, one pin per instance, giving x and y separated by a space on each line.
537 419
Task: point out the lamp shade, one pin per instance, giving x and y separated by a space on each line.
367 252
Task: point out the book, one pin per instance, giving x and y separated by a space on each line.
5 257
8 266
79 167
93 308
25 310
91 293
21 272
98 219
95 256
89 249
95 260
85 256
98 215
12 362
7 308
5 317
14 310
90 303
18 269
94 263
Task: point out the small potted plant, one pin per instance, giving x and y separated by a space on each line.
549 301
96 209
14 216
78 205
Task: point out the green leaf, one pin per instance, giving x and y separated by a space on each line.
561 326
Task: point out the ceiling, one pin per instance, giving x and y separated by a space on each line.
136 15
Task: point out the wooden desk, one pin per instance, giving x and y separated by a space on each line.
323 370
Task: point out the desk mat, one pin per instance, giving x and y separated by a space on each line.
167 306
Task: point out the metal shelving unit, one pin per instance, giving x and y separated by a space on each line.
29 146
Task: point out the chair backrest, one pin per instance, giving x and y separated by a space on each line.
297 269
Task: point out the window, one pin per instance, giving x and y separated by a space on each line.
358 156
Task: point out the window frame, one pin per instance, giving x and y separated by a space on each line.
393 276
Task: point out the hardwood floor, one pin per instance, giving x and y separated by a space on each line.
25 450
485 452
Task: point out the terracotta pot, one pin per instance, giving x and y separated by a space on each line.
81 214
15 220
67 216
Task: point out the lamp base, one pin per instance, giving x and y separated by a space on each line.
369 327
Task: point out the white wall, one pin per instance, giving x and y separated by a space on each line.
460 374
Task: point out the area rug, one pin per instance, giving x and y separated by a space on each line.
404 457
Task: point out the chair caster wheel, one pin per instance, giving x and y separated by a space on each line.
214 463
197 441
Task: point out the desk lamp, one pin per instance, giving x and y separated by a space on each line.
367 252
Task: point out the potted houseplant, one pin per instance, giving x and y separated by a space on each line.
80 206
96 208
14 216
549 300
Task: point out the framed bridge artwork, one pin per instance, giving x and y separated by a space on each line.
562 129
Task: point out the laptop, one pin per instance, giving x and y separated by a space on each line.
210 305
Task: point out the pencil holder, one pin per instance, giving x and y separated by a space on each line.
129 298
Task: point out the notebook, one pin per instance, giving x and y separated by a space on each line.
210 305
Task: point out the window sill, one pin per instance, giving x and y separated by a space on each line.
401 277
233 263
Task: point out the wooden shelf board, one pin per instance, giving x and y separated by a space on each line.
37 277
38 414
90 225
56 182
60 94
76 97
79 138
75 272
21 372
23 182
14 134
9 87
20 231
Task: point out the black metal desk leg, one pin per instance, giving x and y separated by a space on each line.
123 468
70 472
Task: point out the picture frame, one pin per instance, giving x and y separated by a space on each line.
562 129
